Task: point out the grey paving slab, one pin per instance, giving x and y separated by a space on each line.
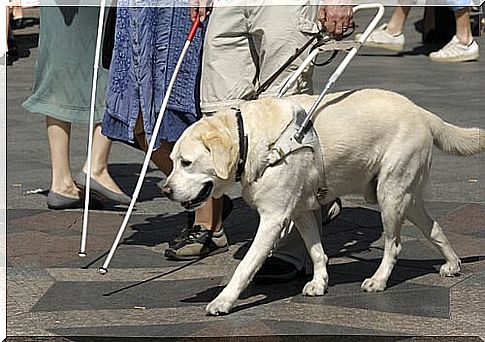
186 329
126 257
406 298
230 328
123 295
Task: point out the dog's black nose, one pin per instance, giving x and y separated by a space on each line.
167 191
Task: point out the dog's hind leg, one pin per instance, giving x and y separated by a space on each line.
307 226
432 231
393 201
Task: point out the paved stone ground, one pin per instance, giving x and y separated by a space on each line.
51 291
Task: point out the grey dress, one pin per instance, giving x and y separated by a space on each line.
64 69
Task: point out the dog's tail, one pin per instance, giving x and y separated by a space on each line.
456 140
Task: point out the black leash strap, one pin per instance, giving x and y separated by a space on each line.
263 87
317 36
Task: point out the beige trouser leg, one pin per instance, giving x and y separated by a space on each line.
244 46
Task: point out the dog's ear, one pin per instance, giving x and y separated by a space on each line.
223 154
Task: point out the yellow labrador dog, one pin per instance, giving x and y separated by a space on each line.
374 142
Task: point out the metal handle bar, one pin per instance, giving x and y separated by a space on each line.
340 69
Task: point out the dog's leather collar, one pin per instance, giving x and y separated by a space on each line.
243 144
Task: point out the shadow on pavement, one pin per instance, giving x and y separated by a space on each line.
126 176
341 275
240 226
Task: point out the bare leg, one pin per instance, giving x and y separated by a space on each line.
58 135
99 166
208 216
8 24
398 19
17 12
463 29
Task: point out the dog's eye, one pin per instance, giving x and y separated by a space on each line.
185 163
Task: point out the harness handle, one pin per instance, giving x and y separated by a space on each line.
340 69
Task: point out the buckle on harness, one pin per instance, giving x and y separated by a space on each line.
321 194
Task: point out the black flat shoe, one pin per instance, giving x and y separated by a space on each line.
56 201
12 55
21 23
101 190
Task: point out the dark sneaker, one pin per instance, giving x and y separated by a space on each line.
275 270
199 243
185 232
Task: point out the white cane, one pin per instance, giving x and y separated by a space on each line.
82 250
193 30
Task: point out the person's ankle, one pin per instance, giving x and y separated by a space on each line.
97 172
205 226
393 30
464 39
66 189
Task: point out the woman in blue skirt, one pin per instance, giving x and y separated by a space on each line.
147 44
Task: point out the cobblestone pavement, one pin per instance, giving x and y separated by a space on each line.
51 291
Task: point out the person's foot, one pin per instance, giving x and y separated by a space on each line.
103 186
66 189
275 270
104 178
70 198
12 53
199 243
184 233
380 38
455 51
59 201
21 23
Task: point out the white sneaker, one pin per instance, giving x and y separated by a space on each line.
455 51
379 38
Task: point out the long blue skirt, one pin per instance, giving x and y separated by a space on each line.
148 43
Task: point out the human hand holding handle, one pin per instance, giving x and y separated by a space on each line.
336 16
200 9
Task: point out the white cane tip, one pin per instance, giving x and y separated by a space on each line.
103 270
82 254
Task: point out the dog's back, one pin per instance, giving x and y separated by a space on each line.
366 132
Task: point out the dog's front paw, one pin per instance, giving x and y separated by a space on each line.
219 306
315 288
373 285
450 269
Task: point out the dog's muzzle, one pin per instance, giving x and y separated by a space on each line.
201 197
